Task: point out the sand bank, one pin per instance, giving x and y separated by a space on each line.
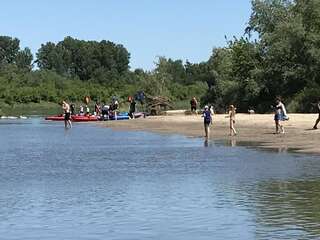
252 129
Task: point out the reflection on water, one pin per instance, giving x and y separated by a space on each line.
290 209
94 183
281 148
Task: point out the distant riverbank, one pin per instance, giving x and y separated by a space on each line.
18 109
257 129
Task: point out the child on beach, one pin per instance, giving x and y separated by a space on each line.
207 120
232 118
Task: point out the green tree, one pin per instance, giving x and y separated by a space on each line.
9 48
24 59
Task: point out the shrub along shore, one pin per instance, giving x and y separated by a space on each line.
278 55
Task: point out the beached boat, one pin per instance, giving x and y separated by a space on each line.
93 118
79 118
125 116
55 118
139 115
74 118
119 117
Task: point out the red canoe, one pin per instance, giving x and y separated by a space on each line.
75 118
78 118
55 118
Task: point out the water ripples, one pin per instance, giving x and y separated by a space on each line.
93 183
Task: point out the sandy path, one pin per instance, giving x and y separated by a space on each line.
257 128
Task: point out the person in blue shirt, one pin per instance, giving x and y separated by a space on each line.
207 120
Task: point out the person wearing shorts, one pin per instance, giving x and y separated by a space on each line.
67 115
207 121
279 116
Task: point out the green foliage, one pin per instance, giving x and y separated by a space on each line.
9 48
103 60
10 54
282 60
24 59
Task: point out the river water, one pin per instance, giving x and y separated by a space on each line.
94 183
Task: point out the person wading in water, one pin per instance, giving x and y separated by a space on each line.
207 120
67 115
232 118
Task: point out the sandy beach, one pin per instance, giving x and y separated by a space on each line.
255 129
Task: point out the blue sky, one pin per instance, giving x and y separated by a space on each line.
180 29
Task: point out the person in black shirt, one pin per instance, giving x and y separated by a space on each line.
193 104
132 108
318 120
72 109
207 117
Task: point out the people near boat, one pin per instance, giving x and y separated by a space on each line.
207 120
72 109
132 108
318 119
67 114
114 107
280 116
105 111
114 104
193 104
81 111
97 109
87 110
232 120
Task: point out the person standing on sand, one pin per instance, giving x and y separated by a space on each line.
72 109
279 116
318 120
211 110
87 111
67 114
207 120
193 104
81 111
97 109
232 118
132 108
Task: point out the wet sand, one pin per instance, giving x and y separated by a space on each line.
256 129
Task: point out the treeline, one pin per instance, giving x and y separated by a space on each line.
72 69
279 55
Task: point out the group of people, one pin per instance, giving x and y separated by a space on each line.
103 110
280 115
207 117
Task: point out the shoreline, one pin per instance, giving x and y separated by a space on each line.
253 130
